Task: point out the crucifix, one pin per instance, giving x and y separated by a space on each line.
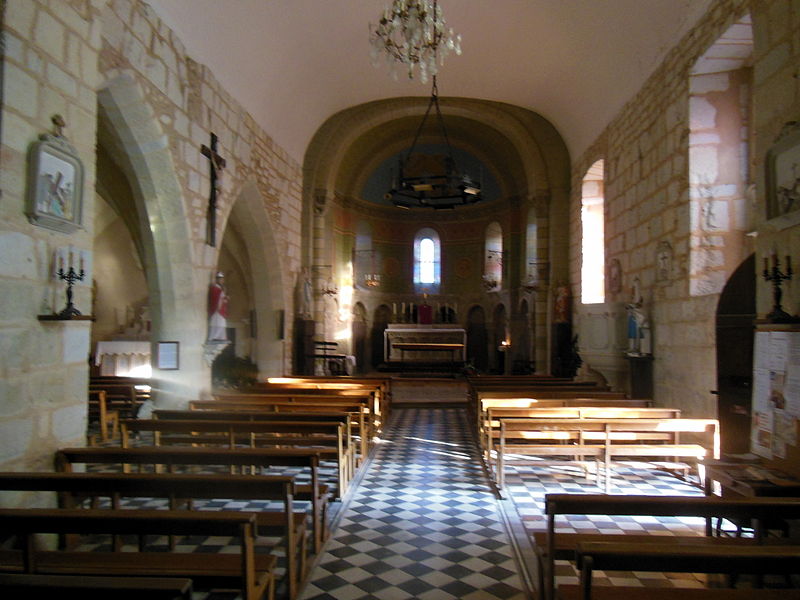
217 164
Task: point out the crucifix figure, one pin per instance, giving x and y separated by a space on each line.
217 164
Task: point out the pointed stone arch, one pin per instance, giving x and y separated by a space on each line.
251 220
177 300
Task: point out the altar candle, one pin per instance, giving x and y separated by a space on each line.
403 308
766 264
60 262
81 263
394 308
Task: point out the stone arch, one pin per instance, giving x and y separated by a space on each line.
177 300
250 218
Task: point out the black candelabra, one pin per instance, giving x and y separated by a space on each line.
774 274
71 276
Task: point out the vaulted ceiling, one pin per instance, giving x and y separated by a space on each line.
295 63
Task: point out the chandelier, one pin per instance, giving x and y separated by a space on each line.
419 187
411 33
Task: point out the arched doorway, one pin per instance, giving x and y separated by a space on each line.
736 312
477 339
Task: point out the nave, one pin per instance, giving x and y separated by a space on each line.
425 522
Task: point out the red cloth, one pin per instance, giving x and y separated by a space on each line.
217 300
425 314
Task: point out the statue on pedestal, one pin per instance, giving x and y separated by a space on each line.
639 339
217 309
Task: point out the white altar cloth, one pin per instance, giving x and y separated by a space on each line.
120 357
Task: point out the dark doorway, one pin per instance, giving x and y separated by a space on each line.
359 333
736 313
477 339
379 324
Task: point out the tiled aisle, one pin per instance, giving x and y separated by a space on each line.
423 523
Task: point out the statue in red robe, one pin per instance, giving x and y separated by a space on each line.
217 309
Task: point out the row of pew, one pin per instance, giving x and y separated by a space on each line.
232 447
546 421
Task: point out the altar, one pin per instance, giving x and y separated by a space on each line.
122 357
414 343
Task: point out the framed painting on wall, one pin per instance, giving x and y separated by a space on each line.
783 172
55 184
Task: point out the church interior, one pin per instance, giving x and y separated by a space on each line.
473 286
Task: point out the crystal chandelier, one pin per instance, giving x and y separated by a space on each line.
413 32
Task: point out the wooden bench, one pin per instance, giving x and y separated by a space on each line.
357 417
686 558
287 402
490 425
73 488
159 458
97 587
551 545
574 592
107 419
253 434
251 573
610 438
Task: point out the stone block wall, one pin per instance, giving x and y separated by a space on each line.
646 148
50 67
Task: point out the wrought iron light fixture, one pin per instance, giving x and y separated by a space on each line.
413 33
414 187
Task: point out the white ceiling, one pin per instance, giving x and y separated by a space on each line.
295 63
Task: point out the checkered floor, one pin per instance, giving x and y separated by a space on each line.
423 523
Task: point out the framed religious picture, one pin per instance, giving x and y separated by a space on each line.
55 184
783 172
168 356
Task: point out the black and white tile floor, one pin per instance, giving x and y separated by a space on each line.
423 522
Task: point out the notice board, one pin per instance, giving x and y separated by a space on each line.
776 397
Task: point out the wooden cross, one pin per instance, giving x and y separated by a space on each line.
216 163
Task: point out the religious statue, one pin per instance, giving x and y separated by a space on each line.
217 309
639 342
561 305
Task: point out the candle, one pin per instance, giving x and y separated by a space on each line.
788 264
81 263
766 264
403 307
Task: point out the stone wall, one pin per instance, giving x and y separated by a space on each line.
50 67
68 58
647 195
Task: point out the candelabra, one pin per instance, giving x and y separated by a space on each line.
70 276
774 275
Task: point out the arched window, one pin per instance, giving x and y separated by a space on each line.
532 263
593 288
493 267
427 258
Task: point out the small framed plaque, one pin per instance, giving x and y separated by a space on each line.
55 184
168 356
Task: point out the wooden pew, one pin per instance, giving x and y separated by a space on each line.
600 436
97 587
490 425
359 419
75 487
252 573
159 457
253 434
283 402
686 558
574 592
106 418
550 545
